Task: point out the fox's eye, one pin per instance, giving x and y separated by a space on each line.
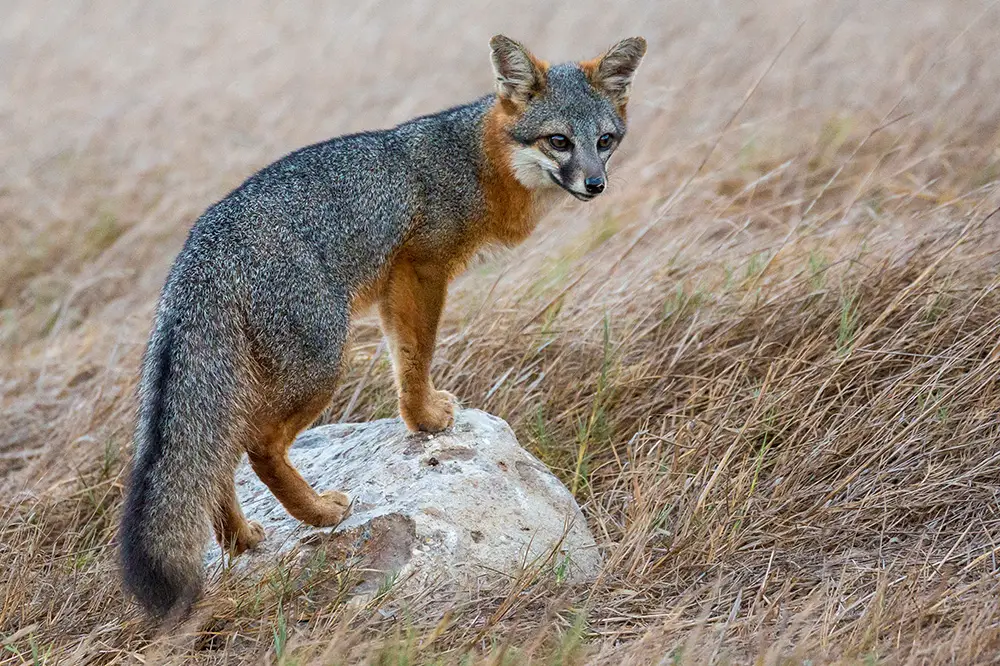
605 141
559 142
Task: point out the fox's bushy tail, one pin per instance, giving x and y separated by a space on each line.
183 448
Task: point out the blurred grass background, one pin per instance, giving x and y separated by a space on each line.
764 361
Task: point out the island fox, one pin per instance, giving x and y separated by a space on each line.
252 322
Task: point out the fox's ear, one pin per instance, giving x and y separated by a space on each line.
519 75
612 73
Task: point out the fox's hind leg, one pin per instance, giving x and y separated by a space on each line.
300 319
232 530
269 459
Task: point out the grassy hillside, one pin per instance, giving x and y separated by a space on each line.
765 361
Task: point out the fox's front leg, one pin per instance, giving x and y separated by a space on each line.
410 308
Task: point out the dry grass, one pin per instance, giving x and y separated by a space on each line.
765 362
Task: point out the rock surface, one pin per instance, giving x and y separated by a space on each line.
465 505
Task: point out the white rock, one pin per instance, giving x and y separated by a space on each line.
464 505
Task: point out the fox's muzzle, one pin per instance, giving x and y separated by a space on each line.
584 176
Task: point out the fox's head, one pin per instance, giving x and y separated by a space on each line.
564 122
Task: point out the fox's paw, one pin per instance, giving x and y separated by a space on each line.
246 539
333 508
436 414
253 536
449 396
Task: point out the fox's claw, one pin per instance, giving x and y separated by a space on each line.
436 414
247 539
334 507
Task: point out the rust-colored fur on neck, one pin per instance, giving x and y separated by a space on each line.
511 212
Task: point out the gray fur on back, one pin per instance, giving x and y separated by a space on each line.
349 202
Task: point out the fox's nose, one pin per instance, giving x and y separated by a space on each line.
594 185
